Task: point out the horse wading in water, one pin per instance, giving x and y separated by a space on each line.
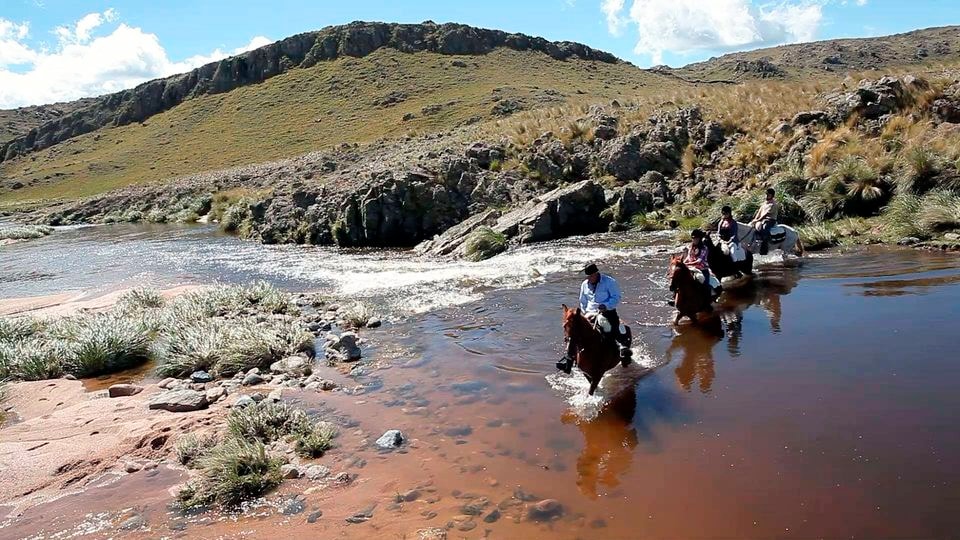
782 237
595 353
692 297
722 264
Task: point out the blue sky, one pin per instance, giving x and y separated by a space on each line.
60 49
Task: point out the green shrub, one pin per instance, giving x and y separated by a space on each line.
235 216
900 216
231 473
484 243
939 211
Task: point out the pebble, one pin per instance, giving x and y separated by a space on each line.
133 523
275 395
70 377
317 472
132 466
167 383
493 516
545 510
374 323
411 495
243 401
314 516
215 393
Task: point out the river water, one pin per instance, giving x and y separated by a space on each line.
827 410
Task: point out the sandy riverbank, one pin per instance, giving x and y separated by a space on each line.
68 303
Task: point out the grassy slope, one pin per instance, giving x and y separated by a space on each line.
806 60
314 108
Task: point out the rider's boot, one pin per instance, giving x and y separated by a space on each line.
565 364
764 246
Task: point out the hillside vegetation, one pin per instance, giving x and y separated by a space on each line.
388 94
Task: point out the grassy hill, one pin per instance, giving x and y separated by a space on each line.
919 47
387 94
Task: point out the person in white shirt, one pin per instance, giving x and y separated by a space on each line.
599 295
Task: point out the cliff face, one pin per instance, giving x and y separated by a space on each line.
303 50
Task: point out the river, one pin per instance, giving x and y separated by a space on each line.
826 410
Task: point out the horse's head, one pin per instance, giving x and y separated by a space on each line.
570 316
678 272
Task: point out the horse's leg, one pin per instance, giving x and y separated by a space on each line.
627 342
594 384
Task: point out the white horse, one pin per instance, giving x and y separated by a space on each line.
750 239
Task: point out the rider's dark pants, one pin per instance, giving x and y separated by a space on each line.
612 316
764 233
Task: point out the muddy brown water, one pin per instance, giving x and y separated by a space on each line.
827 410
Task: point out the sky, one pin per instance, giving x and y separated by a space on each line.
60 50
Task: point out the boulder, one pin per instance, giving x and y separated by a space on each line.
809 117
244 401
168 383
570 210
290 471
317 472
123 390
871 100
390 439
628 158
179 400
452 239
633 199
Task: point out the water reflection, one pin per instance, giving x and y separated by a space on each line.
609 441
696 348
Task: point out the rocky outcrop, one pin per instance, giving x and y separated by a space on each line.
179 400
565 211
300 51
946 108
871 100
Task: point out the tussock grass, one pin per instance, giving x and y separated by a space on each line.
816 237
190 448
315 441
231 473
358 315
484 243
24 232
267 422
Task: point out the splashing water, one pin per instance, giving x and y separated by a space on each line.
574 388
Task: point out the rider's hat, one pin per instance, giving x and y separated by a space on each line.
591 269
696 233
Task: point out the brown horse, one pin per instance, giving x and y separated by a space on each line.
596 354
692 298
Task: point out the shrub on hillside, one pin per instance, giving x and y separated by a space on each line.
484 243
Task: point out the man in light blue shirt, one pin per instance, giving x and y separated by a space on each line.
599 294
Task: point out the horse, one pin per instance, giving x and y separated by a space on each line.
722 264
692 296
596 354
749 238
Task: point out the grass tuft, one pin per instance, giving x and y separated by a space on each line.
190 448
484 243
231 473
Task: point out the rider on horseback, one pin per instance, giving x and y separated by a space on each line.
765 219
694 256
599 298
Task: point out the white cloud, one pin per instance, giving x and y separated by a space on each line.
687 26
612 9
86 64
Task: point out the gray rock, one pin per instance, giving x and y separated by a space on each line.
908 241
294 506
252 379
390 439
292 365
290 471
809 117
951 236
327 385
132 467
315 385
347 344
123 390
570 210
214 394
492 517
275 395
374 323
243 401
201 377
314 516
179 400
317 472
167 383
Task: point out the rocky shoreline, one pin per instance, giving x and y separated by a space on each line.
599 173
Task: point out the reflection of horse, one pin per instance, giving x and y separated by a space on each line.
692 297
722 264
790 241
596 354
609 441
697 360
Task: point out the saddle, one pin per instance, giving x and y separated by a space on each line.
778 234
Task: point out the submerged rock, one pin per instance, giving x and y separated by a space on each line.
179 400
545 510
